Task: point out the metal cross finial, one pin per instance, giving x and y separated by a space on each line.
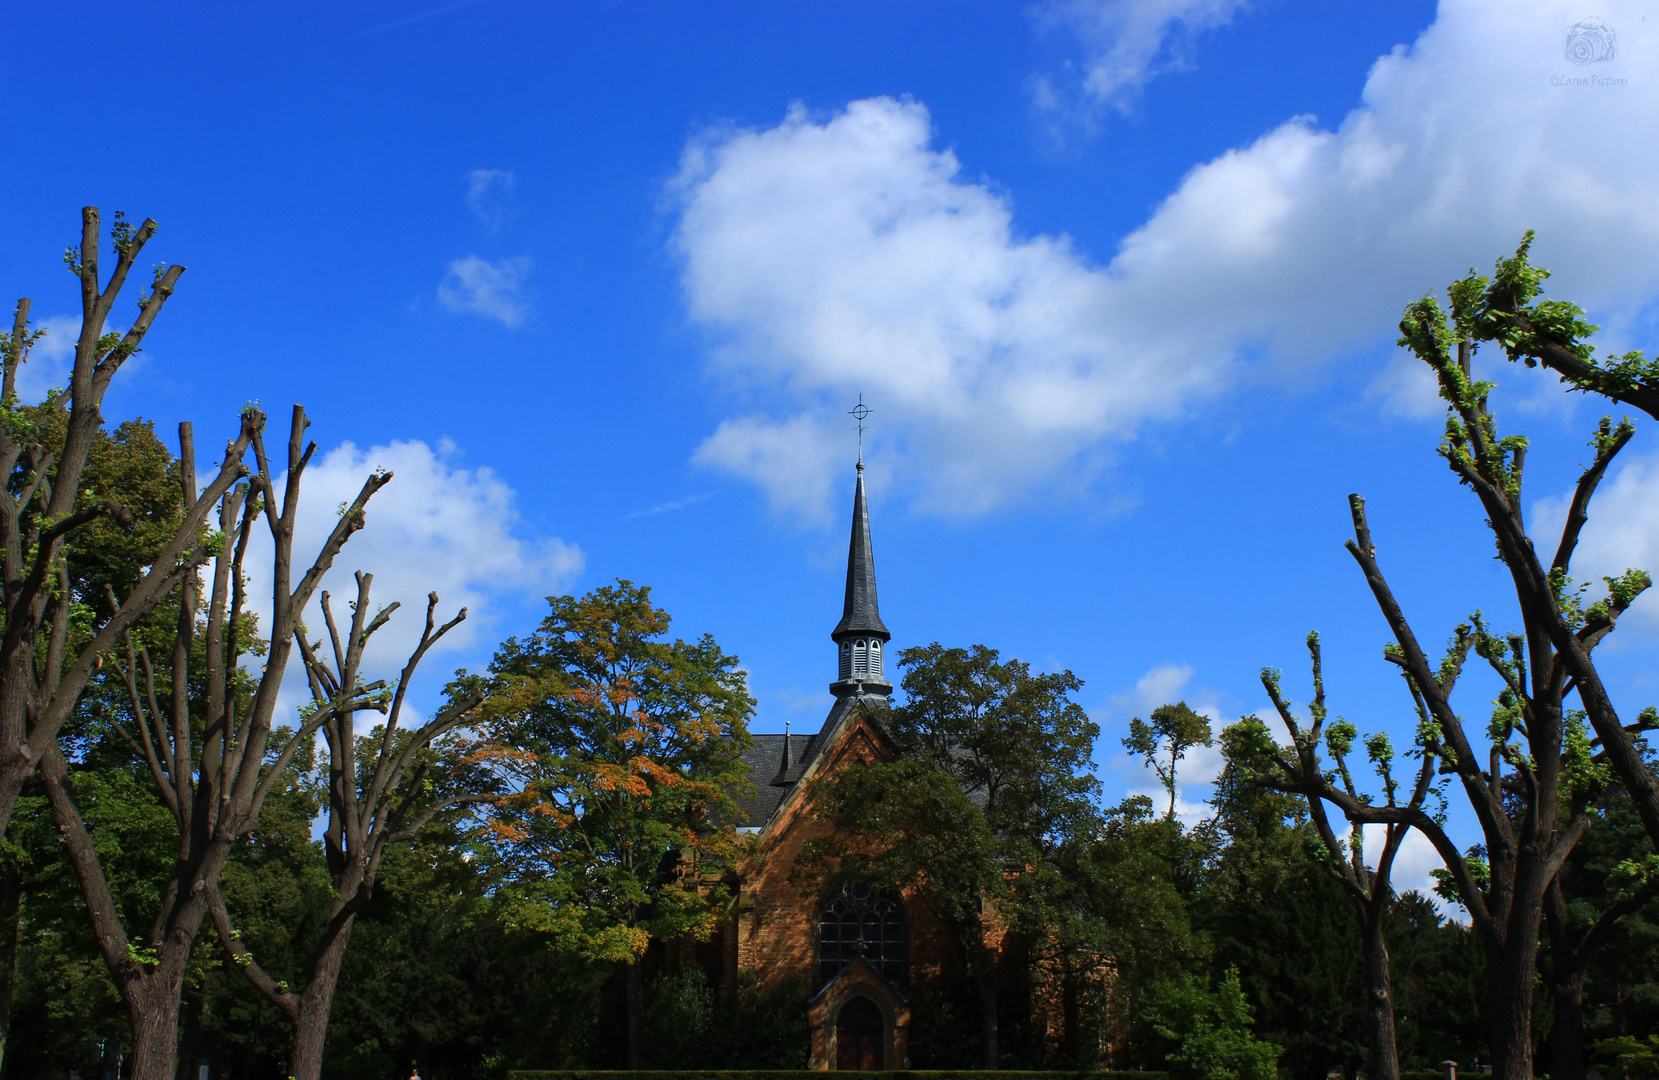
859 412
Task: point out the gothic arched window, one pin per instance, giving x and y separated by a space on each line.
861 920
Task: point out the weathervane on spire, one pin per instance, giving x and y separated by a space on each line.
859 412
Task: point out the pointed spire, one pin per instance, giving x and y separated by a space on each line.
859 613
782 779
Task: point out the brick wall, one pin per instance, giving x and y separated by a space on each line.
774 922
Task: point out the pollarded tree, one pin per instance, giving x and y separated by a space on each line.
204 733
1506 311
45 501
1298 769
620 752
1532 787
370 806
1554 333
132 461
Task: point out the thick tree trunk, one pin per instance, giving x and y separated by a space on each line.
16 693
633 991
11 902
1567 1033
15 771
1510 973
985 984
1379 1001
151 988
311 1029
153 1013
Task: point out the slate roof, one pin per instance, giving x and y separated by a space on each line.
859 613
773 776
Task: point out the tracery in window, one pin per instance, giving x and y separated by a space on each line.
862 920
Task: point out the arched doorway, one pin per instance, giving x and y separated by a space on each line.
858 1031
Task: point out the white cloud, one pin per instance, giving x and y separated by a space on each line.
1159 686
51 358
845 253
1407 387
494 290
434 528
785 458
1128 43
490 196
1622 533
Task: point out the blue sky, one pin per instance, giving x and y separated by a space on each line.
1117 277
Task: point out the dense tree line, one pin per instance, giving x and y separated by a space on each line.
530 877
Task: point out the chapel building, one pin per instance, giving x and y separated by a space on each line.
859 950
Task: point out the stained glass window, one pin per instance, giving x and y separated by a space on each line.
861 920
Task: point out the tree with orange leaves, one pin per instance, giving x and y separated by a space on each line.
622 750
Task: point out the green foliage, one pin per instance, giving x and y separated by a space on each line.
998 727
1509 313
1210 1030
1439 976
907 823
1174 730
804 1074
1131 886
944 1022
1628 1055
1480 872
1268 905
687 1027
995 779
623 749
1615 863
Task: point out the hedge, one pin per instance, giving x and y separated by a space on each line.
808 1074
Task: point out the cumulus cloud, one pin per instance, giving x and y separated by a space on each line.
490 196
1159 686
834 254
435 527
1127 43
787 458
1407 387
494 290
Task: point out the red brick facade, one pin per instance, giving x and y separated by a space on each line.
774 927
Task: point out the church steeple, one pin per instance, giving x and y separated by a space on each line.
860 636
